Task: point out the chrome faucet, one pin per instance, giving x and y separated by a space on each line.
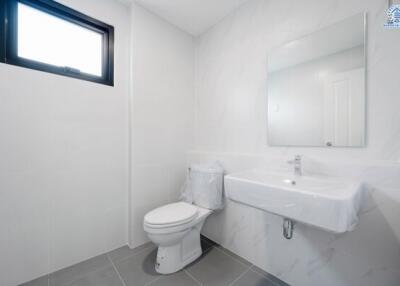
296 162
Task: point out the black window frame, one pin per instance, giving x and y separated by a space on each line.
9 39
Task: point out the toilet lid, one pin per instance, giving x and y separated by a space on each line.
176 213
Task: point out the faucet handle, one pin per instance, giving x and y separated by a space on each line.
296 159
296 162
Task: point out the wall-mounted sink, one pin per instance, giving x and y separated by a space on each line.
328 203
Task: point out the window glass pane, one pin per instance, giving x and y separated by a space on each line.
51 40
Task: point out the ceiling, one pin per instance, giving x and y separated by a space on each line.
192 16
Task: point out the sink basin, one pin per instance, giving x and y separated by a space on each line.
324 202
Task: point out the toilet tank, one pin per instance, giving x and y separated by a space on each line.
205 186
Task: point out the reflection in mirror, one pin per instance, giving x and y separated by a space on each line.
316 88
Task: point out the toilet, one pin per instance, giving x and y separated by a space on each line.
175 228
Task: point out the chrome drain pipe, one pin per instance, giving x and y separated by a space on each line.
288 228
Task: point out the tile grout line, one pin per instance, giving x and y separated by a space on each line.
234 258
152 281
204 252
101 268
188 272
191 276
220 248
119 275
251 267
131 255
156 279
116 270
248 267
81 275
265 276
240 276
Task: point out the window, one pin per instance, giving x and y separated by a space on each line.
47 36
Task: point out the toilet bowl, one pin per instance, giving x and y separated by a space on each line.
176 228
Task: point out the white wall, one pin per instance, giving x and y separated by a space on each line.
64 161
232 75
65 145
162 120
66 174
231 112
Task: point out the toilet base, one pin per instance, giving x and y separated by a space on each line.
179 245
171 259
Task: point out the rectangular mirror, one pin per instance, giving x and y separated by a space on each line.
316 88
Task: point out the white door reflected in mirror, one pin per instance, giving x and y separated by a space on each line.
316 88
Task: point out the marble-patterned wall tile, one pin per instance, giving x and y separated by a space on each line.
231 126
370 254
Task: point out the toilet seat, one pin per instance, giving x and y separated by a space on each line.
171 215
176 228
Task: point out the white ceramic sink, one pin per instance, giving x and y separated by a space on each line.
328 203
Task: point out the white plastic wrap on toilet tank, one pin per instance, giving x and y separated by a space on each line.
204 186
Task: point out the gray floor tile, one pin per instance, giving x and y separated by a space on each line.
216 268
77 271
103 277
124 252
251 278
138 270
177 279
234 256
42 281
209 242
271 277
